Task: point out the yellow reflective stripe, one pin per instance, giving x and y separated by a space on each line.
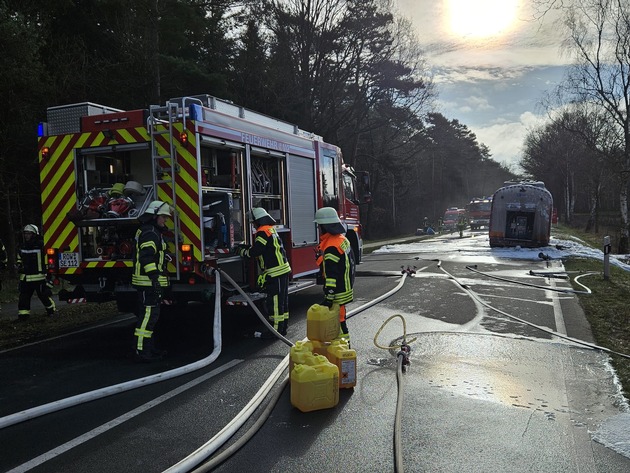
277 247
143 280
284 268
150 267
346 273
343 297
277 318
261 240
148 244
142 332
331 257
33 277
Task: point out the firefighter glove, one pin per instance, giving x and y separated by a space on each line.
49 282
327 302
262 280
243 250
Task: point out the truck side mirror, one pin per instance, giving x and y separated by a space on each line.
364 186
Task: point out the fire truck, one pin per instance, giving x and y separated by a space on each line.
479 210
212 161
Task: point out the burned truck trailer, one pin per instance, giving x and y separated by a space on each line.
521 215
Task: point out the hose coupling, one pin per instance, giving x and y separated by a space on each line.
409 271
405 352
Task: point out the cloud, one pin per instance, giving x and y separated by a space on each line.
505 139
494 86
479 103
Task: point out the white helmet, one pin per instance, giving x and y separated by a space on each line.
157 207
30 228
326 215
258 212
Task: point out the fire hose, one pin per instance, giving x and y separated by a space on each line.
128 385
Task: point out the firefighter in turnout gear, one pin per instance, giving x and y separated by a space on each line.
336 261
149 277
31 265
3 260
274 266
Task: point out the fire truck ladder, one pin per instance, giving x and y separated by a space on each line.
161 123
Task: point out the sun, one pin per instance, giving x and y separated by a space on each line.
481 18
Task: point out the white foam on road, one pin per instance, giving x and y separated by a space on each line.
614 432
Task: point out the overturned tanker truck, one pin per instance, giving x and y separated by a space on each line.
521 215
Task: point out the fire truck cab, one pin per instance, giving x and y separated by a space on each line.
213 161
479 210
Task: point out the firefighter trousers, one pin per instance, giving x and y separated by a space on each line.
277 301
344 333
148 316
27 288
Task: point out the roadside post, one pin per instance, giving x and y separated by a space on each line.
606 257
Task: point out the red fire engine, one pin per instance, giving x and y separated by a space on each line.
479 210
212 161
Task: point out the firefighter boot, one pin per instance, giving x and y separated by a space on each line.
343 332
149 354
146 356
265 333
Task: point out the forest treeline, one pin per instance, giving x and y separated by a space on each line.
350 71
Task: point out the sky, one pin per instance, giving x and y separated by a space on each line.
492 63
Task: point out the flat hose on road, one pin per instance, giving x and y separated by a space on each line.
128 385
542 329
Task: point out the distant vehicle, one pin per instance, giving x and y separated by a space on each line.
451 217
479 210
521 215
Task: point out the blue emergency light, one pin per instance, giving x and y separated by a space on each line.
42 129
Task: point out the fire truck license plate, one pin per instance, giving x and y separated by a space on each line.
68 260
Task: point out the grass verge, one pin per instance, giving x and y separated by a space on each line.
39 326
606 309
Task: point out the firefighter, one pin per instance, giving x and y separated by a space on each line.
149 277
31 265
274 267
3 261
336 261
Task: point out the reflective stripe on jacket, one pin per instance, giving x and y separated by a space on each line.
337 263
31 260
149 256
268 249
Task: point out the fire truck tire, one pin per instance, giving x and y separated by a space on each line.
355 247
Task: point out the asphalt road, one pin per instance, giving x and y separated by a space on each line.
491 386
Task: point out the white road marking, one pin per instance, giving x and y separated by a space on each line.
55 452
